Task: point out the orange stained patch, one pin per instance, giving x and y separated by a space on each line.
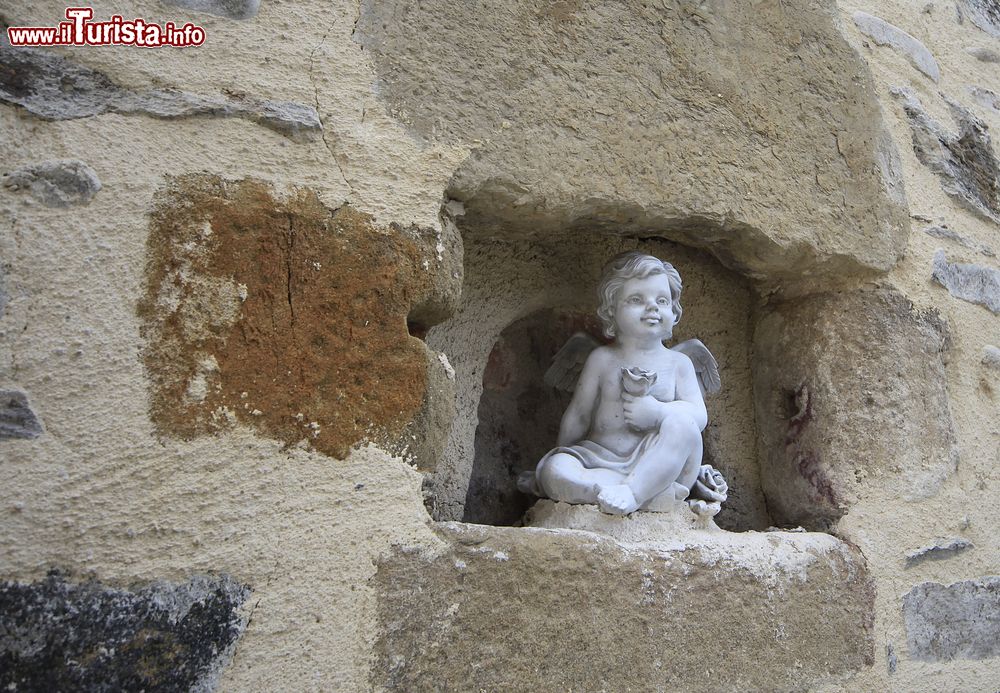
281 314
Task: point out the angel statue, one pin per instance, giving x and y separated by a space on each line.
631 437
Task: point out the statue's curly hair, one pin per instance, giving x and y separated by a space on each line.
633 265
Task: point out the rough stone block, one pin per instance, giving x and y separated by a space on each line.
535 609
885 34
848 386
292 318
59 183
965 162
653 124
973 283
52 87
60 636
17 420
957 621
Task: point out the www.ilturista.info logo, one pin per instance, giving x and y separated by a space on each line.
80 31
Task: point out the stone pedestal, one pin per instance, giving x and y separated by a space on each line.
646 602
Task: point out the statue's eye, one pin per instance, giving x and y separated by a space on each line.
634 299
662 301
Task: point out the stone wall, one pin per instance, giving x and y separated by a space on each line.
262 302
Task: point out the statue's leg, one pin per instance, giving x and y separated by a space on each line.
564 478
674 457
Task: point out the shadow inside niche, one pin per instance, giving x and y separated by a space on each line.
518 413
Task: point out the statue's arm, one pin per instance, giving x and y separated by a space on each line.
579 415
689 397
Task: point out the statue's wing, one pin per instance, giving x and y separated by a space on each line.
705 364
568 362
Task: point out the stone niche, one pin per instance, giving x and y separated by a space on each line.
813 406
521 301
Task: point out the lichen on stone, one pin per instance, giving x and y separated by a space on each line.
283 313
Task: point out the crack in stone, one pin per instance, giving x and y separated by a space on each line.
288 270
319 113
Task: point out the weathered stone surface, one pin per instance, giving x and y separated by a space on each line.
984 55
946 548
973 283
56 635
291 317
17 420
55 88
985 14
59 183
956 621
4 297
885 34
965 162
231 9
848 386
991 356
653 124
534 609
944 233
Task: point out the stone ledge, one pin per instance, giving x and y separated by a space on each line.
567 609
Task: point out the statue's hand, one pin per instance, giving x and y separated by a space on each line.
642 413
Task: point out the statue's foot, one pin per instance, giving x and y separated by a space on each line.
617 500
527 482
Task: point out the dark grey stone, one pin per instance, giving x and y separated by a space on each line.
984 55
291 119
55 88
957 621
56 635
59 183
965 162
985 14
991 357
946 548
17 420
944 233
891 660
231 9
972 283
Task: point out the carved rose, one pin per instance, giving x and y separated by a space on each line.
710 485
637 381
703 509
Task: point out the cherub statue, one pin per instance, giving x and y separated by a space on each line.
631 437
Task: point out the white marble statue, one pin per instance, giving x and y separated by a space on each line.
631 437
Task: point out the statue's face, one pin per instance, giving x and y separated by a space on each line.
643 308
